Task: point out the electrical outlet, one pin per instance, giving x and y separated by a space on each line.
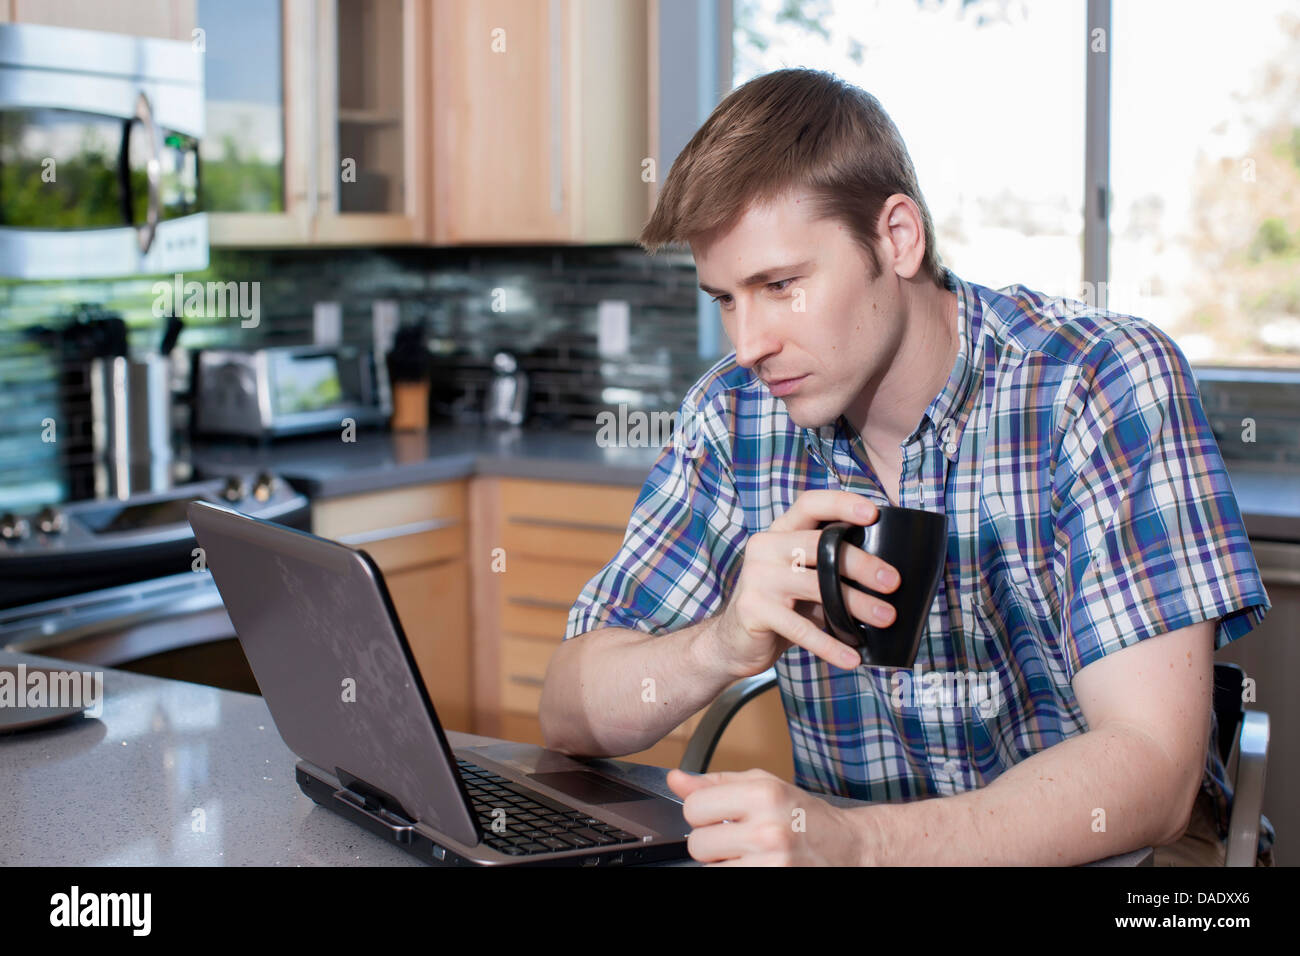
327 323
613 326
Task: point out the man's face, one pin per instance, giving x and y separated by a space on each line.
812 314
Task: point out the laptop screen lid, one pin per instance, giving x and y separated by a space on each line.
316 623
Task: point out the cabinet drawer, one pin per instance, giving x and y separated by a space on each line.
412 550
558 582
563 502
394 509
523 671
536 595
528 538
548 623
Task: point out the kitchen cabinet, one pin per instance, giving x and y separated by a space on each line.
164 19
546 540
540 120
418 537
320 138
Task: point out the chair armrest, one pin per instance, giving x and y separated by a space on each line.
699 750
1248 789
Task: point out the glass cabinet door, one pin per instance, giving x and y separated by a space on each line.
243 145
369 87
255 146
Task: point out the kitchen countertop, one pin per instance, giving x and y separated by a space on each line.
326 467
123 788
1268 493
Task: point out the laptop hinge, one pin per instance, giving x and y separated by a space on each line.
376 804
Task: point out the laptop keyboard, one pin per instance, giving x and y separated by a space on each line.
533 823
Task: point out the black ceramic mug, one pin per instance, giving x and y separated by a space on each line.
915 543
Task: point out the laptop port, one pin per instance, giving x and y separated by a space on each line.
439 853
591 861
616 860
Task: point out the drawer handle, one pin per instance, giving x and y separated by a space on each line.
571 525
527 679
540 603
397 531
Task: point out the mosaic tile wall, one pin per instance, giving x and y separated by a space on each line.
547 315
550 298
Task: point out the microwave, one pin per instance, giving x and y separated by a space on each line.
99 154
273 392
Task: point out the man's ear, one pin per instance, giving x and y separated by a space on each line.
902 236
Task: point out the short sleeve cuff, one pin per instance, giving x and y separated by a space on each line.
584 618
1236 614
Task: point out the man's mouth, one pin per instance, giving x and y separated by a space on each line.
784 386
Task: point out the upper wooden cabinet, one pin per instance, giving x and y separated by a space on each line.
361 122
319 137
540 120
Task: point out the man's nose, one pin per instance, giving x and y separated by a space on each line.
753 337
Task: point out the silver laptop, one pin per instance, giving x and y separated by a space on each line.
318 628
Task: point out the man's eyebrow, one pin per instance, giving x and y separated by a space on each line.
761 277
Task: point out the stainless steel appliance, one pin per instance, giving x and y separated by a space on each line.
131 412
99 143
116 582
507 396
267 393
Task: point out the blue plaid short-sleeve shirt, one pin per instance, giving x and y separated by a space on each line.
1088 506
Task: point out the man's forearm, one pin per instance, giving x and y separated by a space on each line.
1044 811
616 691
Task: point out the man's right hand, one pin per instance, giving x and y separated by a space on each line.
776 601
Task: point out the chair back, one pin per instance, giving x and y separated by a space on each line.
1228 708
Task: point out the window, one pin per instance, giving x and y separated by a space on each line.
1205 175
989 95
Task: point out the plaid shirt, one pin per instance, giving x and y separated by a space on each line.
1089 509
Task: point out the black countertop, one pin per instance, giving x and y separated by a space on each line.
327 467
1269 494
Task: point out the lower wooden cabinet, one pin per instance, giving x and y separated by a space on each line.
418 535
553 538
483 573
433 605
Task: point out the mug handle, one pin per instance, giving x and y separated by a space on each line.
836 612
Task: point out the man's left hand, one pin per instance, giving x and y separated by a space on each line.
772 823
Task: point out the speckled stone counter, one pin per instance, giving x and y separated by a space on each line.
122 789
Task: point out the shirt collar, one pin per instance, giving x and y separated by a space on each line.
951 408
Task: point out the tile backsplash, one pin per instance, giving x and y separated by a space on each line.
538 302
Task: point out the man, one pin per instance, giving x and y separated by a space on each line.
1096 554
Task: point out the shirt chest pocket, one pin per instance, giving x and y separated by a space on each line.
1012 566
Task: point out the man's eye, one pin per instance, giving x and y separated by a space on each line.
781 283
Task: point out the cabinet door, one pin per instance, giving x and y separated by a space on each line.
371 108
433 605
556 536
254 179
499 125
540 120
417 535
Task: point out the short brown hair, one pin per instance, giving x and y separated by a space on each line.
790 129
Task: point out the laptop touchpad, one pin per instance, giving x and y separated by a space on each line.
588 787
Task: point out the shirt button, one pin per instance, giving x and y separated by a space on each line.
947 430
